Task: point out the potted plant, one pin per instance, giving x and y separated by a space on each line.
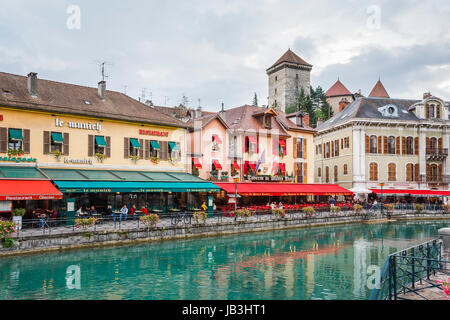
13 152
419 208
154 160
200 215
309 211
100 157
7 228
224 176
281 154
358 208
195 171
17 217
389 207
149 220
214 175
335 209
57 154
234 172
135 158
446 208
445 285
85 222
279 213
245 213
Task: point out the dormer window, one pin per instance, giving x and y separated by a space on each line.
299 121
433 111
267 121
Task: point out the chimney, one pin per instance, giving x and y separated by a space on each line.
102 90
198 112
306 119
342 104
32 84
319 122
426 95
222 113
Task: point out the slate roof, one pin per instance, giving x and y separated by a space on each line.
367 108
74 99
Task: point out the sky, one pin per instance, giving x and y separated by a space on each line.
218 51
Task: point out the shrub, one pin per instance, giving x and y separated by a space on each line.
19 212
309 211
246 213
335 209
200 215
85 222
358 208
149 220
6 228
419 207
446 208
279 213
445 287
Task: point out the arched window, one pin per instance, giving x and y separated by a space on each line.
392 172
391 145
433 144
319 172
409 145
373 174
345 169
431 112
327 174
335 173
373 144
409 172
433 173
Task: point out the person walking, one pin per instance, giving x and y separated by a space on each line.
123 212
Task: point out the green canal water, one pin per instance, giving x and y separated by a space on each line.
316 263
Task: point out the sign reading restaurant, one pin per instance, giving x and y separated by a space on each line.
154 133
79 125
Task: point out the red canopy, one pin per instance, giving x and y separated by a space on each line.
252 165
413 192
282 143
216 138
284 189
217 165
236 165
197 163
28 190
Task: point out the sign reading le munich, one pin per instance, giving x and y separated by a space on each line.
79 125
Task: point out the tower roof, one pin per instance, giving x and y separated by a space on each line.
338 89
291 57
379 91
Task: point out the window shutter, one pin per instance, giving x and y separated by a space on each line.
332 149
90 145
126 148
416 172
440 172
296 172
141 150
438 111
257 144
440 143
46 142
397 145
385 145
367 144
428 171
164 149
3 141
26 141
427 110
305 172
146 149
403 145
179 149
416 145
294 139
337 148
246 144
428 143
66 144
108 147
305 149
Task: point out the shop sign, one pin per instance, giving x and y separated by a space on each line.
5 206
269 178
79 125
17 159
154 133
79 161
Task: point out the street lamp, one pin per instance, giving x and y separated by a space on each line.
381 185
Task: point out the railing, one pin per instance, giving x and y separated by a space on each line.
437 152
403 271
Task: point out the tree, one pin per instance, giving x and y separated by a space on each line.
255 100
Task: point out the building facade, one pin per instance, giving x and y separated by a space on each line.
400 143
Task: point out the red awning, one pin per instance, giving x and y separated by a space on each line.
413 192
236 165
216 138
197 163
252 165
283 167
28 190
282 143
284 189
217 165
252 140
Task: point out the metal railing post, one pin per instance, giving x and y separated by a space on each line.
413 261
394 276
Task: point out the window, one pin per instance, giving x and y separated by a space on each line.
410 172
276 79
373 144
299 148
233 146
319 172
409 146
327 174
431 114
134 146
345 169
335 173
56 142
275 91
215 143
267 121
391 145
433 144
15 139
100 144
174 151
155 149
433 173
392 173
251 145
336 148
299 173
373 173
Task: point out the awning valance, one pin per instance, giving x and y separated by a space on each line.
413 192
282 143
57 137
252 165
197 163
284 189
217 164
100 141
134 186
28 190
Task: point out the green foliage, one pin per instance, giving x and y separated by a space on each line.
19 212
255 100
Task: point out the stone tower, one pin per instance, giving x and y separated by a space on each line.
286 79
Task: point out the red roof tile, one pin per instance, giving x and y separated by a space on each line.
338 89
379 91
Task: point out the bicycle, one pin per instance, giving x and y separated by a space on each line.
181 217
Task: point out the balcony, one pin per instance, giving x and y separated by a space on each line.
436 179
436 153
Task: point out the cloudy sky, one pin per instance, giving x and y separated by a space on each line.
218 50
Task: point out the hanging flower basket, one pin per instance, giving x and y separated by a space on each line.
100 157
85 222
135 159
14 153
57 154
200 216
154 160
149 220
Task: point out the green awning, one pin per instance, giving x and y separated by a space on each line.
15 134
100 141
155 144
134 186
135 143
173 146
57 137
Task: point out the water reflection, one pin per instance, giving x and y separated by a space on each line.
319 263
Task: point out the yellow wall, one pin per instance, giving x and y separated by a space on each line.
78 140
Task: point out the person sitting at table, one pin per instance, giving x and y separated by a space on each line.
280 205
144 210
132 211
79 212
123 212
109 212
92 211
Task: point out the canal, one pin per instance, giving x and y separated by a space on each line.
338 262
